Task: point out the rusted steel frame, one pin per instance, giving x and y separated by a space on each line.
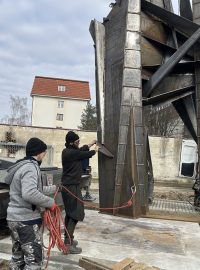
133 160
125 111
104 150
165 69
191 110
169 7
149 168
180 68
97 31
148 152
182 108
130 99
134 172
180 23
197 92
186 112
196 18
165 47
185 9
168 97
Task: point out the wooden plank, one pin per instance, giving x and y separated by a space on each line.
89 264
123 265
142 266
158 215
130 264
138 266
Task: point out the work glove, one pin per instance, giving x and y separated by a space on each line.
52 209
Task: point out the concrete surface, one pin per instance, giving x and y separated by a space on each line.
170 245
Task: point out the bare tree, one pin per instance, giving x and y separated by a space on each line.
163 121
19 113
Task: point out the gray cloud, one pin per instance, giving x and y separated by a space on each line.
47 38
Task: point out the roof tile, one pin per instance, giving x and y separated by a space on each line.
46 86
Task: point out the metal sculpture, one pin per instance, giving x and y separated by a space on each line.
145 54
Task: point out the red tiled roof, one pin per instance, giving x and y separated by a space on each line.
45 86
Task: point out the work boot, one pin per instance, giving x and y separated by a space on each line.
74 250
73 242
88 197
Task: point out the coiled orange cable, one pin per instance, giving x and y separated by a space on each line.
52 221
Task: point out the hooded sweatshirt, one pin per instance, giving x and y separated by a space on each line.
26 191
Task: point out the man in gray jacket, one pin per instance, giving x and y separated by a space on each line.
24 209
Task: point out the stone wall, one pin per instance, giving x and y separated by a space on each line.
52 137
165 152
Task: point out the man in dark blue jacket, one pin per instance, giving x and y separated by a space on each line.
71 179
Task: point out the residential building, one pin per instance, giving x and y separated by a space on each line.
58 102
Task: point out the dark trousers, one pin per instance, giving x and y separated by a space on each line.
70 225
27 251
197 198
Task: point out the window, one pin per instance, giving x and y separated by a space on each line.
60 104
61 88
59 117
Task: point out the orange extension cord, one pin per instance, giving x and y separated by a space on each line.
53 220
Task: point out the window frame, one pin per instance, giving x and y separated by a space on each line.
61 88
58 117
59 104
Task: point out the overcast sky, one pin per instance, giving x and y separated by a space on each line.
46 38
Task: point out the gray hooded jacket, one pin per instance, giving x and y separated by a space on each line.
26 190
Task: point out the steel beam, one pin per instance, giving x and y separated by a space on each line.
184 110
180 23
196 18
185 9
165 69
180 68
97 31
166 47
167 97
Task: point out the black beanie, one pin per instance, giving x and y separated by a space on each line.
34 147
71 137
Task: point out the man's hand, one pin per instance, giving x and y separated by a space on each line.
96 148
59 187
54 206
92 143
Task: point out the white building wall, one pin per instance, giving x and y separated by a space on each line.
165 155
45 110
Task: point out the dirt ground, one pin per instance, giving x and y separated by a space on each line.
178 195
